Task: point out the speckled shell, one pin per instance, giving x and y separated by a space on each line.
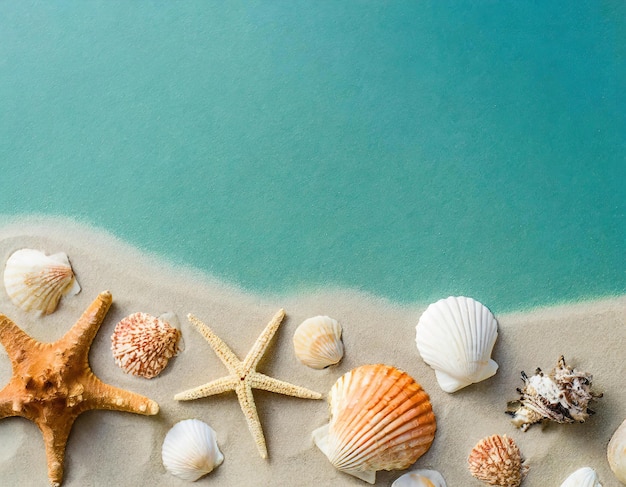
381 419
583 477
143 345
616 453
190 450
455 336
496 460
317 342
420 478
35 281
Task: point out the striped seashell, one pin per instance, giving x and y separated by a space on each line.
455 336
35 281
143 345
190 450
420 478
381 419
583 477
317 342
496 460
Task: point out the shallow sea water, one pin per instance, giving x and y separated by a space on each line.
412 150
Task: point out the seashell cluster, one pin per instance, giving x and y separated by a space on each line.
455 336
616 453
317 342
583 477
562 396
496 460
143 345
420 478
35 281
190 450
381 419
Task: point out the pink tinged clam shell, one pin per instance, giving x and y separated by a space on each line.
36 282
381 419
496 460
317 342
616 453
142 344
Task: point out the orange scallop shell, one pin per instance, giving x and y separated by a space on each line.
381 419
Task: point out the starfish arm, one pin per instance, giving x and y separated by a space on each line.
246 401
81 335
261 381
225 384
6 406
98 395
14 339
223 351
55 439
257 351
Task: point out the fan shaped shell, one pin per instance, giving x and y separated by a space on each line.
496 460
35 281
190 450
583 477
381 419
455 336
317 342
143 345
420 478
616 453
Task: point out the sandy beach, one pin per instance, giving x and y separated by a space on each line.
113 448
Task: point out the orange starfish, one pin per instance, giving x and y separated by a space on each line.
52 383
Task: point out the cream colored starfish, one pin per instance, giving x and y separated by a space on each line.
243 377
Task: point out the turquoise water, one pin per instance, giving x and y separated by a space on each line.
409 149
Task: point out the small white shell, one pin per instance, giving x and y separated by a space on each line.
616 453
420 478
583 477
36 281
317 342
455 336
190 450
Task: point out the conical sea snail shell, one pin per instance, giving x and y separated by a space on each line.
616 453
420 478
35 281
381 419
317 342
455 336
583 477
496 460
190 450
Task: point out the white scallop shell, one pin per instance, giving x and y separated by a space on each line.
317 342
616 453
420 478
583 477
36 281
190 450
455 336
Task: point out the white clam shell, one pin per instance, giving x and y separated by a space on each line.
317 342
190 450
616 453
35 281
583 477
455 336
420 478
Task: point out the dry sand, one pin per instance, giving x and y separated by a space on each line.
113 448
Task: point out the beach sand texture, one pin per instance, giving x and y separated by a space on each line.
111 448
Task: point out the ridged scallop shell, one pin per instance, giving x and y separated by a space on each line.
190 450
35 281
583 477
420 478
317 342
496 460
455 336
143 345
381 419
616 453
